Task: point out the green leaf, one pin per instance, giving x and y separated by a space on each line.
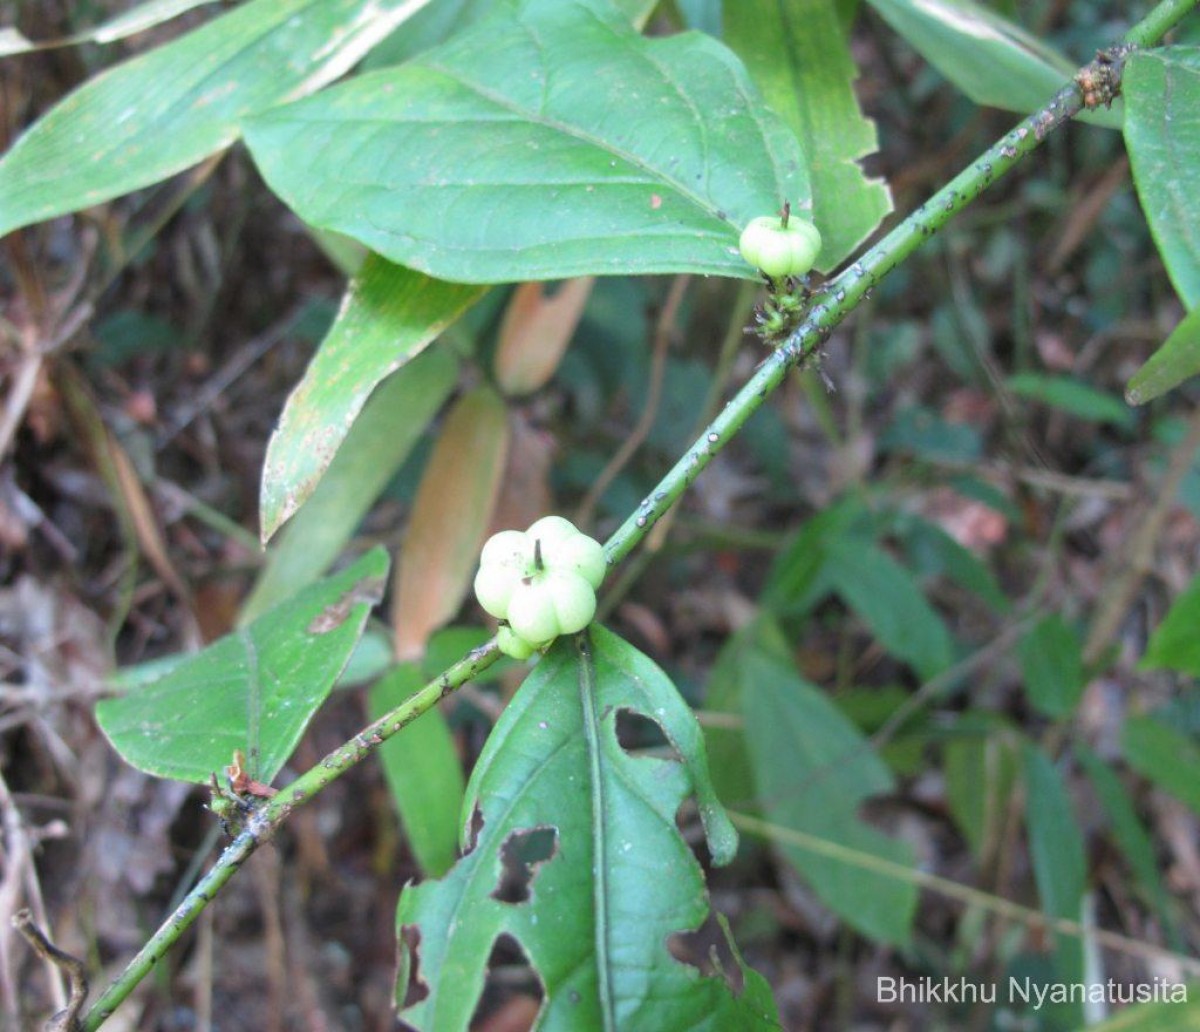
388 316
1052 662
813 769
1167 757
932 551
438 21
424 772
799 57
992 60
1071 396
1057 851
1134 842
890 601
1177 359
378 442
567 143
128 23
980 769
570 837
160 112
797 578
1162 95
1175 645
1179 1012
254 690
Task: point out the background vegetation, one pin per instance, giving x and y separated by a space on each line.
934 604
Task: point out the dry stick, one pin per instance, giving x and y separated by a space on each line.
955 890
1120 595
836 301
65 1020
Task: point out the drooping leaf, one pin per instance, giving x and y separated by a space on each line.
798 577
570 837
1052 662
158 113
378 442
1162 132
535 333
813 769
1175 643
1129 833
1071 396
253 690
1166 756
1059 861
450 516
388 316
890 601
980 767
799 57
991 59
1177 359
933 551
569 145
424 772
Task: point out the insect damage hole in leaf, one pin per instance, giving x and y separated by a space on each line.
637 732
707 950
409 977
511 977
521 855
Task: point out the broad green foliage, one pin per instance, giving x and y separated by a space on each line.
1130 835
992 60
1071 396
160 112
1166 756
602 877
424 772
1162 132
549 140
388 316
1052 662
1175 645
980 767
1059 860
1177 359
1168 1016
441 19
836 553
379 441
799 57
254 690
812 770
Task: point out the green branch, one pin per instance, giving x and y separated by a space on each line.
830 306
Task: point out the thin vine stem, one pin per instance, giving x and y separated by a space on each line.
829 307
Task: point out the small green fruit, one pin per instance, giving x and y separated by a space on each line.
512 644
542 582
779 250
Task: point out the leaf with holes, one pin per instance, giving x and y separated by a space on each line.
254 690
160 112
570 836
547 141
